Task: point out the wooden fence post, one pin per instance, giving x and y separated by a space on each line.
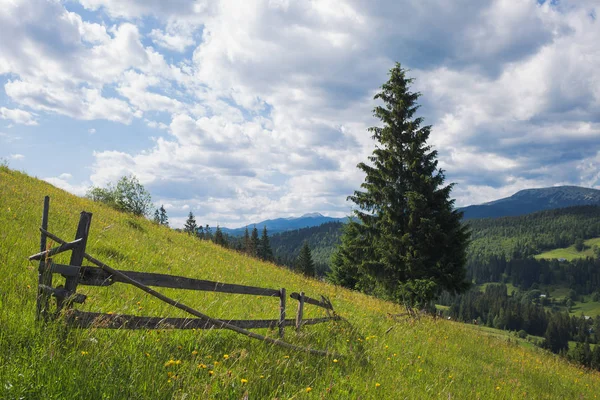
44 274
281 312
77 257
300 312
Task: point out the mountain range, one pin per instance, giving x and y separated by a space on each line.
523 202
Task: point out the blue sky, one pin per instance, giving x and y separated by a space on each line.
246 110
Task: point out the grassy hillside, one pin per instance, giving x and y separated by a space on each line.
571 253
383 357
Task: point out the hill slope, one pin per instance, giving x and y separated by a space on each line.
384 357
532 200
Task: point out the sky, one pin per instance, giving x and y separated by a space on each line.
243 110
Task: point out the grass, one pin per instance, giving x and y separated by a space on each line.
570 253
383 357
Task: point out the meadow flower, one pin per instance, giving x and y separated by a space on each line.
83 353
244 381
226 356
308 389
211 372
194 352
335 360
377 384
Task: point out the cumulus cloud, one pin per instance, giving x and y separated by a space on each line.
260 108
17 116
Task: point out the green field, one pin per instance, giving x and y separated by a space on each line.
382 357
570 253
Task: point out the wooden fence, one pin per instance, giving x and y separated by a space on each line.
102 275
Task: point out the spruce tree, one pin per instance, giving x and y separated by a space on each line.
246 243
305 263
254 243
156 219
190 224
408 238
163 218
220 238
266 253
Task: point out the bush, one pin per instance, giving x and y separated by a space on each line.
129 195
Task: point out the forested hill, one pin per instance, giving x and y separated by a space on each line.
509 237
532 200
527 235
322 240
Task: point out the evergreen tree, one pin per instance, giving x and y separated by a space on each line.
207 232
246 243
219 238
305 263
200 233
409 238
254 243
156 219
163 218
190 225
266 253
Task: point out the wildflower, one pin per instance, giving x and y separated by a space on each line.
308 389
226 356
262 376
377 384
203 366
335 360
211 372
83 353
286 356
147 354
194 352
244 381
177 362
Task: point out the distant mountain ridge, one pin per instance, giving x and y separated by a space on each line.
532 200
286 224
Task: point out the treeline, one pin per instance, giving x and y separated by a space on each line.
528 235
322 240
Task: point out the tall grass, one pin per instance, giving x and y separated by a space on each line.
383 356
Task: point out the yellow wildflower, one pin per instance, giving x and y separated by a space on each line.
244 381
335 360
377 384
226 356
308 389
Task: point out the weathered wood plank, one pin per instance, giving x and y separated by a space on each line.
77 257
309 300
63 294
80 319
55 250
44 276
282 313
65 270
300 312
97 277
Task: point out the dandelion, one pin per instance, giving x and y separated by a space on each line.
308 389
262 377
286 356
83 353
226 356
203 366
211 372
243 380
377 384
335 360
194 352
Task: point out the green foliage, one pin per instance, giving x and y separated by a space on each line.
304 263
254 243
163 219
265 252
424 358
190 226
409 238
128 195
219 238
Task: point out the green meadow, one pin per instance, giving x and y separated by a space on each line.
570 253
381 356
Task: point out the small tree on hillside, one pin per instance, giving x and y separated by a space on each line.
305 263
163 218
132 197
190 226
409 238
246 241
266 253
254 243
219 238
156 218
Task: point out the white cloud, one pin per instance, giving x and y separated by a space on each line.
61 183
17 116
17 156
91 131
